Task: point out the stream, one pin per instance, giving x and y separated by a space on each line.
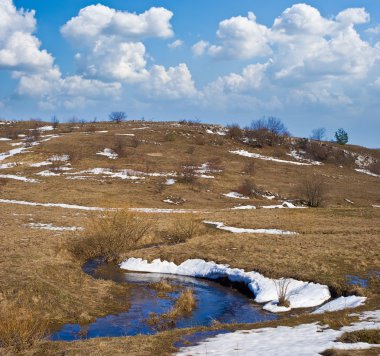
215 302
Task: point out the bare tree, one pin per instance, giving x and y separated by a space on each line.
318 134
313 190
117 116
55 122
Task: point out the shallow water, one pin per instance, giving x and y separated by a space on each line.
214 303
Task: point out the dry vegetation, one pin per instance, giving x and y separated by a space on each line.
43 268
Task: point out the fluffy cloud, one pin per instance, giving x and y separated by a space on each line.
305 58
169 84
175 44
242 38
99 20
19 48
109 41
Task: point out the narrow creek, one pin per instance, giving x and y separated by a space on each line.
215 302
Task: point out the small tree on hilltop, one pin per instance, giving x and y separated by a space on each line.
318 134
341 137
117 116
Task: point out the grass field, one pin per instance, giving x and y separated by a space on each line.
38 271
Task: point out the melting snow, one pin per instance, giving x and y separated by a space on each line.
108 153
20 178
54 228
7 165
170 181
235 195
5 139
267 158
366 171
244 207
341 303
46 128
303 340
52 205
238 230
284 205
300 294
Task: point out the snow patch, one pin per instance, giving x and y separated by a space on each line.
20 178
366 171
52 205
305 339
235 195
108 152
244 207
268 158
53 228
341 303
238 230
300 294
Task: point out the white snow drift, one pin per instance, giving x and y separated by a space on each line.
267 158
300 294
238 230
304 339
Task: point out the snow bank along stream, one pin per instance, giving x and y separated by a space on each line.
299 294
214 303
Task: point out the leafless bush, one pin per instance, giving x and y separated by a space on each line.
117 116
282 286
187 172
317 151
234 131
75 155
55 122
120 146
111 236
200 140
341 158
267 131
12 132
160 185
215 164
250 168
170 137
20 327
183 229
247 188
313 190
135 142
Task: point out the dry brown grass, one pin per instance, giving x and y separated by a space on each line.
333 241
369 336
282 286
182 229
110 236
21 327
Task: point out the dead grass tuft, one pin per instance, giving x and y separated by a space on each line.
370 336
111 236
20 327
182 229
282 286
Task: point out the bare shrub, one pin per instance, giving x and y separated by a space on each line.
313 190
234 131
20 327
247 188
187 172
111 236
318 134
117 116
183 229
190 150
135 142
375 167
120 146
250 168
267 131
317 151
215 164
12 132
55 122
75 155
170 137
200 140
282 286
160 185
341 158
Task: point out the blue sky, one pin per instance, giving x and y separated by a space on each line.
314 64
